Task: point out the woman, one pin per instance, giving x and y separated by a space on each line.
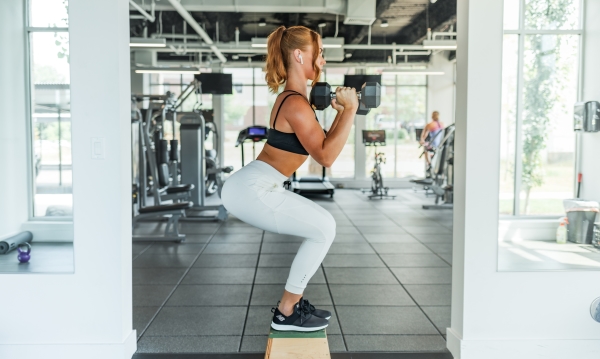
256 194
431 135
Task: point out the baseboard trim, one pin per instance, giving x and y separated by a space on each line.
521 349
124 350
453 341
445 355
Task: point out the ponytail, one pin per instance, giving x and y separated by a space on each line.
276 62
279 45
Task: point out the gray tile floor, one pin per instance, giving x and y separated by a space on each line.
387 279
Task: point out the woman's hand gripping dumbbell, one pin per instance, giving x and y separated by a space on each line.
369 97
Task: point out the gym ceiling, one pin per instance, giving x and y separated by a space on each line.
407 23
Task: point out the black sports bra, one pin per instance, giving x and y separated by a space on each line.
284 140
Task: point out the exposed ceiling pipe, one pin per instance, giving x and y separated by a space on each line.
150 18
355 64
264 6
245 47
228 47
194 24
337 25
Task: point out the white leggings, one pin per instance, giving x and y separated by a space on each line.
255 195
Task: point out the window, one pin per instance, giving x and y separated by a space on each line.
48 52
540 86
402 109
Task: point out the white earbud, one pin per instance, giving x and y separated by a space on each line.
301 61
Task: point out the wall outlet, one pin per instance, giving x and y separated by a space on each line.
98 148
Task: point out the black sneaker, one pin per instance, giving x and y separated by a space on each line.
299 321
325 314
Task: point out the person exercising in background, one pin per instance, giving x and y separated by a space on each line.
431 135
255 194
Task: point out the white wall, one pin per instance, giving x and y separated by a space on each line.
440 88
13 120
590 142
498 315
87 314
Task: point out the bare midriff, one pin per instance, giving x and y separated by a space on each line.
283 161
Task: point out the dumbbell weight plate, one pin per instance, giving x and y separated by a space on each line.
320 96
362 109
370 94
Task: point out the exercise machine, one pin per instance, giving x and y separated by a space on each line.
376 138
429 166
312 185
193 167
252 134
144 160
443 171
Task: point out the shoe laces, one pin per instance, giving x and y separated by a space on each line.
304 312
306 304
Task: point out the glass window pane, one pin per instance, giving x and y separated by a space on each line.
259 76
335 75
238 115
412 79
511 14
510 57
382 118
48 13
552 15
51 124
412 103
549 91
344 166
241 76
388 79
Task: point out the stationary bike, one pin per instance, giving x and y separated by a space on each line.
375 138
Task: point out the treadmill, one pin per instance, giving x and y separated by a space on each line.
312 185
251 134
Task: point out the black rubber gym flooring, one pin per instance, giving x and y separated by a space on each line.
387 279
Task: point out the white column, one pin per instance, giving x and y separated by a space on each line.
87 314
360 169
498 315
219 118
14 151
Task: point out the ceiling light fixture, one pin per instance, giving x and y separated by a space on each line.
384 23
412 72
160 70
439 44
333 42
259 42
322 24
262 22
147 42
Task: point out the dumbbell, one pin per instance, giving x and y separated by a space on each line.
369 96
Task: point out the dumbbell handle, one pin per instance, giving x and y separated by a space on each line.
333 95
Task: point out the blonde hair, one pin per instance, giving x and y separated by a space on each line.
280 43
